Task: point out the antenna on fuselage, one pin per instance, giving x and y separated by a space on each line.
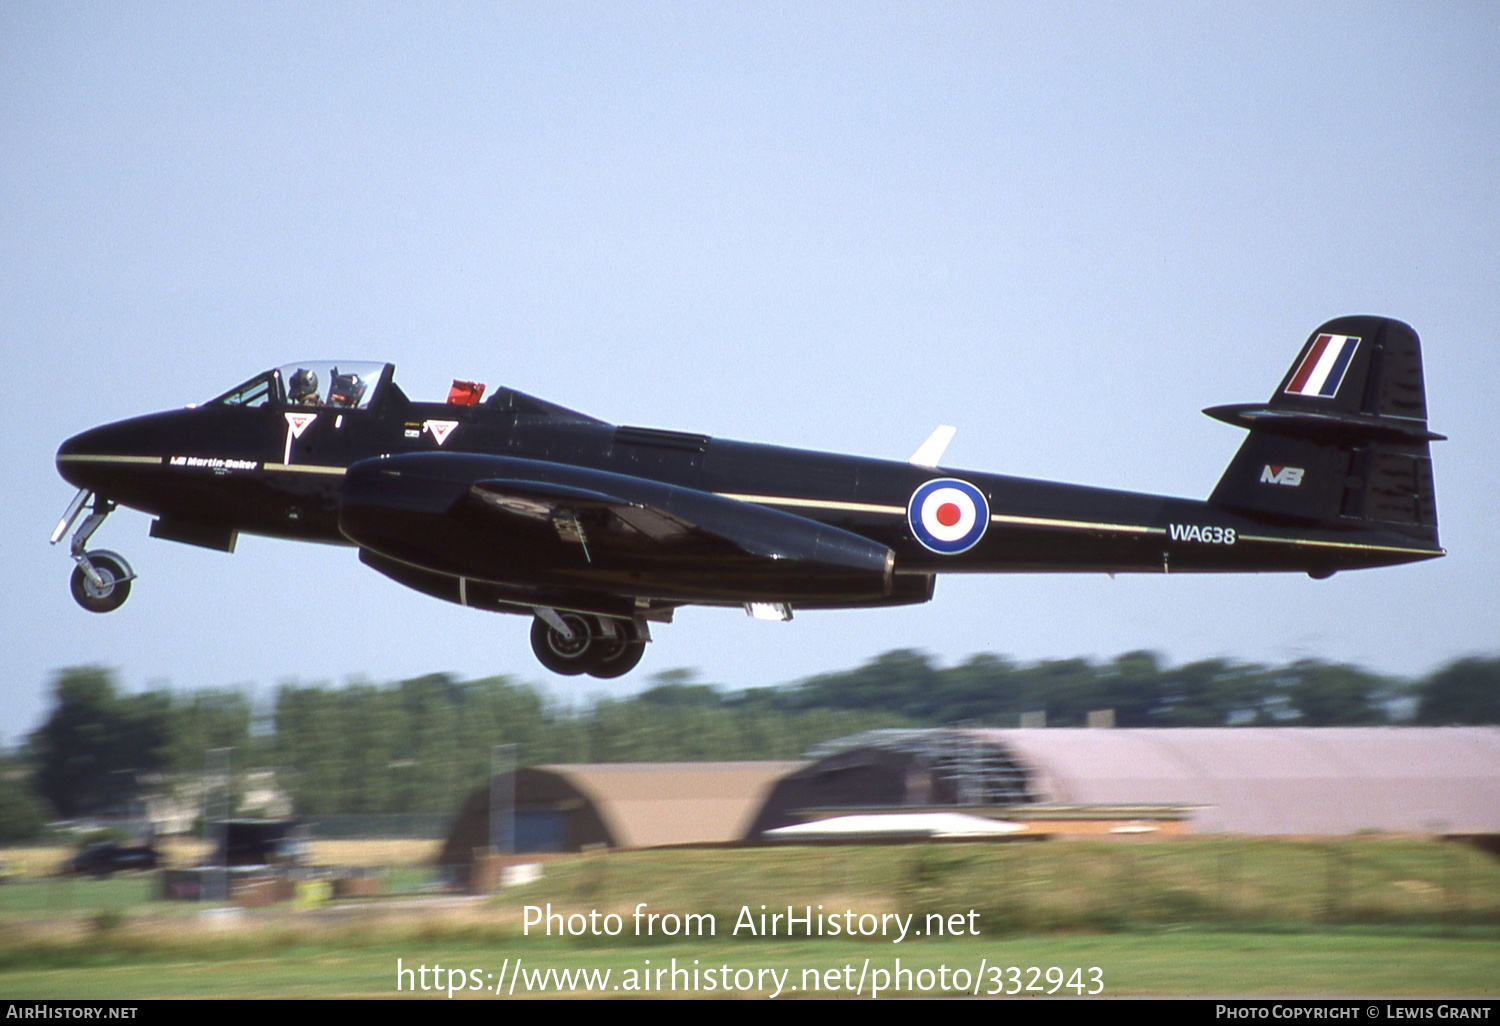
930 451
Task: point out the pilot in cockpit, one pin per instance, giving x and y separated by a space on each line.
346 390
304 388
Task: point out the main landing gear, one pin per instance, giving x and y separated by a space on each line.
576 643
101 580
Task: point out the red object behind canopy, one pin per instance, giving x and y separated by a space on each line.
465 393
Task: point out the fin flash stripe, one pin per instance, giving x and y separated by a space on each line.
1322 370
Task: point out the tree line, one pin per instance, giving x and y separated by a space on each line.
415 746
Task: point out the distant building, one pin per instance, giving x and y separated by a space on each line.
1242 780
617 805
1103 782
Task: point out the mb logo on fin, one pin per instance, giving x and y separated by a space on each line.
1289 476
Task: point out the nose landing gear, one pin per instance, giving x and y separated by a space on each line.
109 586
600 646
101 580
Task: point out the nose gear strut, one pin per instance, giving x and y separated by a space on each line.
101 580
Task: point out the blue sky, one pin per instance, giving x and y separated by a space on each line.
1064 228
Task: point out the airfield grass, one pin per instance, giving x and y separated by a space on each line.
36 890
1192 917
1057 886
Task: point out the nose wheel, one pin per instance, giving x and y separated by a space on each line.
572 644
101 579
109 587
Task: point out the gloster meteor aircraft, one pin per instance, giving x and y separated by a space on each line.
516 505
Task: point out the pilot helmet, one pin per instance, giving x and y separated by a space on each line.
346 390
304 385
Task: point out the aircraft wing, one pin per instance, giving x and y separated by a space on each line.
604 512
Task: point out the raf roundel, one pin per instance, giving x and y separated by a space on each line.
948 516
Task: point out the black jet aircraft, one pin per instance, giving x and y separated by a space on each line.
517 505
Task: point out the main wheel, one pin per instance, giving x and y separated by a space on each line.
105 597
621 653
567 656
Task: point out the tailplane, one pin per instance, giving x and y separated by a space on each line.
1343 442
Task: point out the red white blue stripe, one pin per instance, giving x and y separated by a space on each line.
1322 370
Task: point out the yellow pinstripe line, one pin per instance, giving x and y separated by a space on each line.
1076 525
996 518
1339 545
859 507
110 459
1079 525
779 500
303 468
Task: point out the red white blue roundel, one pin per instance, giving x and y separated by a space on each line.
948 516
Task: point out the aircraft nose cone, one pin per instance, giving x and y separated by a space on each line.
73 461
75 446
100 457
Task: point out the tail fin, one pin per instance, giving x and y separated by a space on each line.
1344 439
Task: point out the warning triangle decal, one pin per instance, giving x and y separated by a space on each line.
440 429
298 422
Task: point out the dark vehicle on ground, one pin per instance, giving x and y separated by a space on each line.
106 858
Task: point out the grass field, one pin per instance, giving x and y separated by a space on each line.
359 964
1247 917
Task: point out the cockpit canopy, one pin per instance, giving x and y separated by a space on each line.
345 384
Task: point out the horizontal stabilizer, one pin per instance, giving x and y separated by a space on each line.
1324 426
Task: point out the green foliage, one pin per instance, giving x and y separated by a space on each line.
23 816
99 749
1467 691
1137 686
204 720
1329 695
96 744
1142 691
